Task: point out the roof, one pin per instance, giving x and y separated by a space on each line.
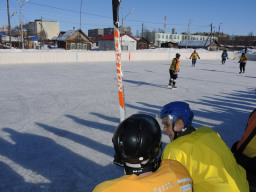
66 35
107 37
69 33
111 37
194 43
33 39
2 33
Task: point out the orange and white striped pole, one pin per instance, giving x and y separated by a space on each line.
120 85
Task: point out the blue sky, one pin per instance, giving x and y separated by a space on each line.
237 17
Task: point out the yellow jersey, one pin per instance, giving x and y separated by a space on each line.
170 176
194 55
209 162
175 64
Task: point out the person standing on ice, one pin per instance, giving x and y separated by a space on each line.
224 56
205 155
137 143
194 57
242 61
174 70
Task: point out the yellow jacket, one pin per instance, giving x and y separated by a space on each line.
194 55
243 59
209 162
171 176
175 64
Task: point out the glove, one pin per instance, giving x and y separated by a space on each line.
176 71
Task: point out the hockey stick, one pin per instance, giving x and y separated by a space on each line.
120 85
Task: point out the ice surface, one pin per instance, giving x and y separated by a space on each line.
57 121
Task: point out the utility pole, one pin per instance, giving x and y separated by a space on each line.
122 29
21 24
80 14
9 23
211 35
142 31
164 24
189 22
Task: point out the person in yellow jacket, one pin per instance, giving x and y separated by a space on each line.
194 57
205 155
242 61
174 70
137 143
245 150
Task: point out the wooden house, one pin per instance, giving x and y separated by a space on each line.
142 43
170 44
74 39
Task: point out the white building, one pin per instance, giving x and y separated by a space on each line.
128 42
177 38
43 29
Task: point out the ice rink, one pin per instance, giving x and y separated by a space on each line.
57 120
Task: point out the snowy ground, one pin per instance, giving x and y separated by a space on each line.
57 121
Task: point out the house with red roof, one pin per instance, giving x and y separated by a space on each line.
127 42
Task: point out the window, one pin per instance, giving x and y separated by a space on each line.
166 36
159 36
72 46
174 36
162 35
125 47
79 46
85 46
170 36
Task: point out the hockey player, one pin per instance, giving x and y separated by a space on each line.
205 155
174 70
137 143
242 61
224 56
245 150
194 57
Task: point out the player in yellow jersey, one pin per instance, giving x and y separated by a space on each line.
242 61
174 70
137 143
205 155
194 57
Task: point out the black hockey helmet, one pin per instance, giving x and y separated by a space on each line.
137 142
177 55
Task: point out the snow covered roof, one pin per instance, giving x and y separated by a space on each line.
194 43
66 35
